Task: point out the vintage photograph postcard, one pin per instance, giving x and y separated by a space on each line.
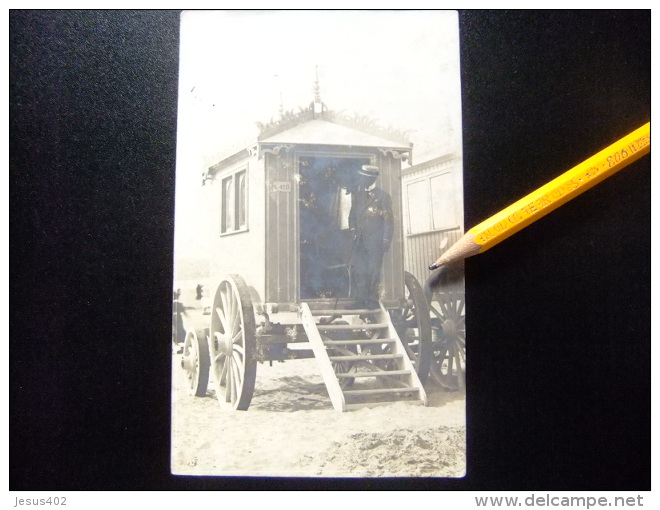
319 174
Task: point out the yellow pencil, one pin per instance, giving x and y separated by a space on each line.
549 196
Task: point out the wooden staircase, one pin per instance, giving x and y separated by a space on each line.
362 359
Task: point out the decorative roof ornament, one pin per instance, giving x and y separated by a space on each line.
318 105
317 88
317 111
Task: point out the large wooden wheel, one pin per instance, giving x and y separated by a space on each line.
195 362
232 344
413 325
445 293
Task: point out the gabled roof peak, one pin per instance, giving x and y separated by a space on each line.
290 119
316 110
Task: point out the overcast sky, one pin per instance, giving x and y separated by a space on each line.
400 68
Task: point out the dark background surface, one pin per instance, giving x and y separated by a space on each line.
558 315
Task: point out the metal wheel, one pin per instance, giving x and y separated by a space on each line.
445 292
195 361
232 344
412 323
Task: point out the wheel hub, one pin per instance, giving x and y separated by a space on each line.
449 328
223 343
187 362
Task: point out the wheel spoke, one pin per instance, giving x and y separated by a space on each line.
226 308
237 360
239 366
235 384
228 380
459 361
221 317
223 372
231 304
444 306
235 317
449 301
454 300
461 353
450 362
239 349
410 353
436 311
461 306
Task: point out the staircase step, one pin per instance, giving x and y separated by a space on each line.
379 373
345 312
380 391
375 341
361 405
323 346
365 357
350 327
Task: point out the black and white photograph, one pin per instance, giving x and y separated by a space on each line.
318 174
244 243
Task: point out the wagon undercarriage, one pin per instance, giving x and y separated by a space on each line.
365 356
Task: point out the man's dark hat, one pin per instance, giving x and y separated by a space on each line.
369 171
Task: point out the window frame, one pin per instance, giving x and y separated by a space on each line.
429 210
239 197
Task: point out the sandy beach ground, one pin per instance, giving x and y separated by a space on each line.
291 429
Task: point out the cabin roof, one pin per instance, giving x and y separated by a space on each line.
324 132
316 125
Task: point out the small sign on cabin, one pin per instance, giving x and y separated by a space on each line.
280 186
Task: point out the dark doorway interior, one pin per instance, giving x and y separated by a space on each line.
325 241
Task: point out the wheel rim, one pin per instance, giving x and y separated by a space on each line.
446 297
194 361
232 343
190 361
413 326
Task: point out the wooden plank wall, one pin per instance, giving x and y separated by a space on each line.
281 230
423 249
392 278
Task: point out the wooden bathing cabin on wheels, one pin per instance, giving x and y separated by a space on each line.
281 262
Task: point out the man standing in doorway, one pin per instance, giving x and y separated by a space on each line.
371 224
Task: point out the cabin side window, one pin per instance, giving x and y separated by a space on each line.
431 204
443 208
234 203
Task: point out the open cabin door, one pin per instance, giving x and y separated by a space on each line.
325 242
